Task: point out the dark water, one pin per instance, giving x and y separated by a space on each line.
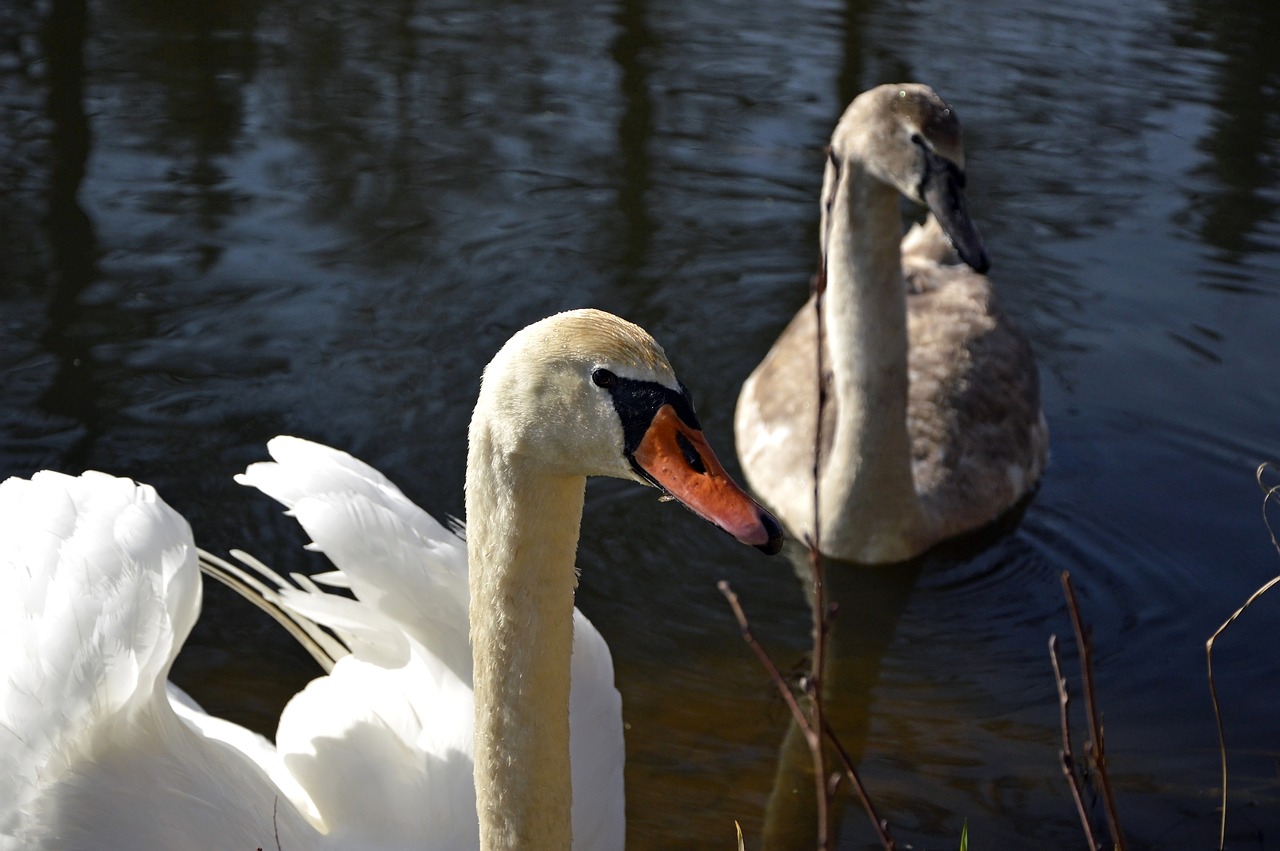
221 221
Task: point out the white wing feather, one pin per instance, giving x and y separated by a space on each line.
99 587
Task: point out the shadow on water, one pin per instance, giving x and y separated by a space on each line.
196 59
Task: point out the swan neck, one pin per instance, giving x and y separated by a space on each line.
522 536
867 480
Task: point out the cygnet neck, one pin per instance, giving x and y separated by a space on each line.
867 480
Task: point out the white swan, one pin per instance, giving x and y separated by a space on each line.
99 588
932 424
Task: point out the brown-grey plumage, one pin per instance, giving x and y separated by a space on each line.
933 425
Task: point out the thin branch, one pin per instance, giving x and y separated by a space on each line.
881 827
816 568
775 675
1095 749
1268 494
1068 761
814 689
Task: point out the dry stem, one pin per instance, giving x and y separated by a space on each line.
1268 494
1068 760
814 735
881 826
1094 748
774 674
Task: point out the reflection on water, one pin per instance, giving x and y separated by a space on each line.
224 221
69 231
1240 144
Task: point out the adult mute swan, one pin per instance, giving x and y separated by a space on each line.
932 423
99 587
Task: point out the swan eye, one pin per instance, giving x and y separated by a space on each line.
917 139
603 378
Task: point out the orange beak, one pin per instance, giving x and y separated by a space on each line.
678 459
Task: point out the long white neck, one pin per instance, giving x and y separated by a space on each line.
522 536
867 481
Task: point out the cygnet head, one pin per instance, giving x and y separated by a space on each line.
907 136
584 393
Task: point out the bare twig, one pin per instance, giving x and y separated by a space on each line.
775 675
1268 493
1068 761
816 568
813 687
881 827
1094 748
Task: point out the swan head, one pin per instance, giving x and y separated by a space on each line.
584 393
908 137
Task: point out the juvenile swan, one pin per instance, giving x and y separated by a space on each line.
932 422
99 587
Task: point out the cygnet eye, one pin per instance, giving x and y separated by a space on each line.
603 378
